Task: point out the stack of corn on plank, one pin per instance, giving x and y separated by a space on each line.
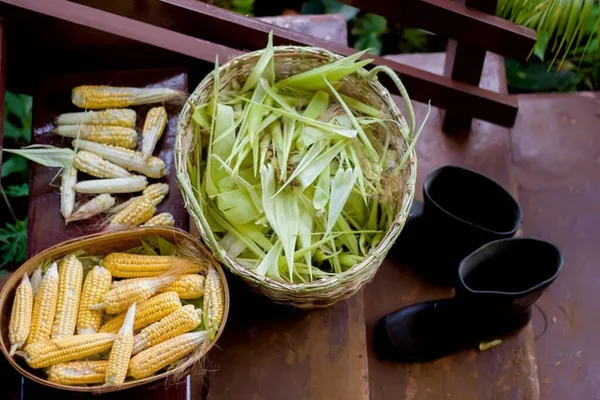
105 142
122 319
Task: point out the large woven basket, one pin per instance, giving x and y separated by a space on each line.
290 60
97 244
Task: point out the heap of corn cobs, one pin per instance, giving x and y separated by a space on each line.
98 330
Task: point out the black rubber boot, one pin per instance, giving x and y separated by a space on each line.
462 210
496 287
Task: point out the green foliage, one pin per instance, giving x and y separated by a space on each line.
369 29
244 7
413 41
13 242
21 190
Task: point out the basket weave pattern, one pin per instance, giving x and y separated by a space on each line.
291 60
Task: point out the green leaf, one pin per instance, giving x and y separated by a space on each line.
20 106
13 243
13 132
335 7
14 165
21 190
47 155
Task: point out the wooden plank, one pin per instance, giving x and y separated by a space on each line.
464 63
198 19
505 372
467 24
556 153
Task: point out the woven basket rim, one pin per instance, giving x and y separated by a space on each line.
264 284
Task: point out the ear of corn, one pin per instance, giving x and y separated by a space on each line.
126 265
157 357
67 191
187 286
105 134
97 283
70 277
181 321
156 192
44 307
45 353
98 205
115 117
96 166
131 184
36 280
214 301
20 315
133 215
122 297
162 219
148 311
78 372
153 167
94 97
154 126
118 360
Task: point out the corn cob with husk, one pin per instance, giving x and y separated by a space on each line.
95 97
148 311
122 297
105 134
96 166
126 265
214 301
135 183
36 280
154 126
98 205
78 372
70 279
96 284
67 191
156 192
118 360
181 321
162 219
135 214
45 353
115 117
187 286
157 357
44 307
152 167
20 315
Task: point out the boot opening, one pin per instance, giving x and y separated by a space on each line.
474 199
511 266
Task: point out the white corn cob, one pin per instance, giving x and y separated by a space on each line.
96 166
95 206
132 184
67 191
162 219
156 121
115 116
107 134
94 97
36 280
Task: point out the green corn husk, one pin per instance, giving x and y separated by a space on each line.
299 180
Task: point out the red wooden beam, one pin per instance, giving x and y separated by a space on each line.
459 22
2 82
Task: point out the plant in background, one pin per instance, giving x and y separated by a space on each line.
245 7
369 29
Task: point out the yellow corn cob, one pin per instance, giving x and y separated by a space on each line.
133 215
36 280
78 372
118 360
162 219
148 311
96 166
126 265
152 167
67 191
97 283
157 357
154 125
94 97
44 307
181 321
20 315
122 297
115 117
131 184
105 134
156 191
187 286
97 205
214 301
70 278
50 352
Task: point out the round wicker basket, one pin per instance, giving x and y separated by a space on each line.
291 60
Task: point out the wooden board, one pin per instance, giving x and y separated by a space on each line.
556 153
